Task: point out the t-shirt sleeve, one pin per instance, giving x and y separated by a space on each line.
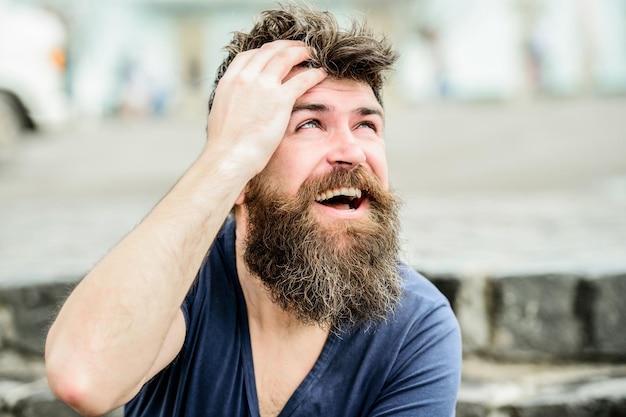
426 375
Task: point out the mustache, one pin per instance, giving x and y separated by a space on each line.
369 184
337 275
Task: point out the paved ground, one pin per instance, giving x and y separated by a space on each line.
488 188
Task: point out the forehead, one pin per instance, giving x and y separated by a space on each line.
341 92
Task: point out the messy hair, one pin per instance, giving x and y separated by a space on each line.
355 53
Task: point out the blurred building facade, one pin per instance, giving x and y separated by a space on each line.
157 56
509 49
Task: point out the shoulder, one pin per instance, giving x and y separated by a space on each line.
419 292
415 354
423 319
428 337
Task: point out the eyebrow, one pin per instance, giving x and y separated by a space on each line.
320 108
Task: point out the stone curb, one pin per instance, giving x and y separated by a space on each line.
497 389
527 320
26 312
591 398
605 397
35 399
515 318
539 317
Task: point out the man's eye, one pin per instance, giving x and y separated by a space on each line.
311 124
368 125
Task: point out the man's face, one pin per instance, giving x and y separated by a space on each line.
322 226
337 123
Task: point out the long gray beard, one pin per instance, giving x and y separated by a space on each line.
338 275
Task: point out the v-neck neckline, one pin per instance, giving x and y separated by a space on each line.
247 362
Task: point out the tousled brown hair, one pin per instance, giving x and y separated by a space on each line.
355 53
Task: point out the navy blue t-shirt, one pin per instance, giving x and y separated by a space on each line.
407 366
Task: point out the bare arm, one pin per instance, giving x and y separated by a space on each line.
123 324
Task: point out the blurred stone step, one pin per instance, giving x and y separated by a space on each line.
525 327
34 399
26 312
492 389
539 316
488 389
523 317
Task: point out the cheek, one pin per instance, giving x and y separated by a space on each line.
383 175
377 161
288 170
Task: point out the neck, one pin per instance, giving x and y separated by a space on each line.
263 313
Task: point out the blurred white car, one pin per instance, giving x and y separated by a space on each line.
32 72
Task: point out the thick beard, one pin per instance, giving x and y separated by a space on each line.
336 275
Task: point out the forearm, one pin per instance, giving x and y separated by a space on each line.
111 330
122 322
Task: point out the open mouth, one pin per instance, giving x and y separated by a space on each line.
345 198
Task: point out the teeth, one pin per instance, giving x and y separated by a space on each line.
345 191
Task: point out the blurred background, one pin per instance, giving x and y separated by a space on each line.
159 56
506 140
506 123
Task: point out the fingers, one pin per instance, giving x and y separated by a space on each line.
253 103
243 59
303 79
277 57
283 58
274 60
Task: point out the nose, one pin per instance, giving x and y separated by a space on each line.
346 150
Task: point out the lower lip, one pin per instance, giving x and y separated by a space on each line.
343 214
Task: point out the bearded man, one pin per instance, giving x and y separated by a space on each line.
295 303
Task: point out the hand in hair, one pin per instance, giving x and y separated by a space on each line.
254 100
